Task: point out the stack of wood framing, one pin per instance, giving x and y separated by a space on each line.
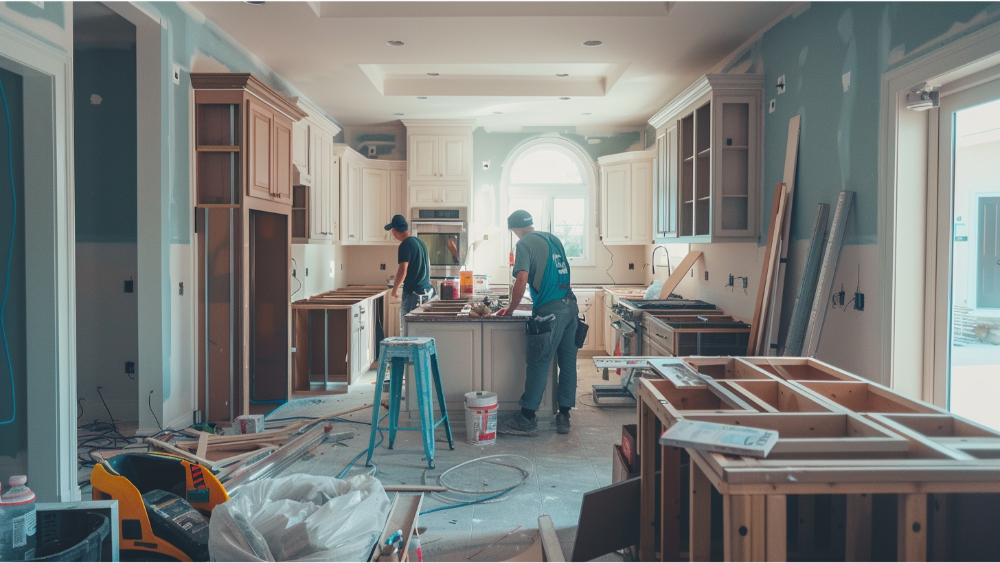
843 441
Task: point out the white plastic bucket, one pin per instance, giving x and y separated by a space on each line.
481 417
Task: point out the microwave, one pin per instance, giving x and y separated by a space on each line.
446 234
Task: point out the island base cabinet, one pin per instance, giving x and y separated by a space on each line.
459 353
478 356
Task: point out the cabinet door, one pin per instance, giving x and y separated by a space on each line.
300 145
422 157
616 203
330 185
735 187
350 202
397 194
260 137
423 195
318 202
453 195
665 191
282 157
642 202
454 158
375 205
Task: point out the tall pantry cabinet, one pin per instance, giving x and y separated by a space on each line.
243 206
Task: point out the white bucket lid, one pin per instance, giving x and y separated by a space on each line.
480 399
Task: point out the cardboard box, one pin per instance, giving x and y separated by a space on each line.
629 446
619 470
249 424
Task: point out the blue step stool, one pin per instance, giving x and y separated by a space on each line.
422 353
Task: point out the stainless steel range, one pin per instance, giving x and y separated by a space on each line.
627 319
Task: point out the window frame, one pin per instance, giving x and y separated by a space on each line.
548 193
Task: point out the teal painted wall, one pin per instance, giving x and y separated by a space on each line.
14 436
105 145
838 148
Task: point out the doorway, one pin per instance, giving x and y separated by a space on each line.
969 174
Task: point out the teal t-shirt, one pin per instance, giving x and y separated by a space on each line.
418 276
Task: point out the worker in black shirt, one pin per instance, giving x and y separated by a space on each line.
413 272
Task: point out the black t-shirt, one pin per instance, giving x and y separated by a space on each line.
414 251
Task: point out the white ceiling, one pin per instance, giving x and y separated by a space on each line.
492 56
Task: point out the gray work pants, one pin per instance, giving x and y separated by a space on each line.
559 341
411 301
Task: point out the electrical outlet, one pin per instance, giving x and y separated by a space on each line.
371 152
859 301
130 367
333 269
177 74
631 266
341 267
771 107
781 84
838 298
180 288
381 266
486 165
744 283
706 275
129 286
731 281
307 272
692 273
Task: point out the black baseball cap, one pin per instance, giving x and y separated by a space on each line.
519 219
399 223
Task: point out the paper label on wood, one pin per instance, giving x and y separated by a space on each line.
721 438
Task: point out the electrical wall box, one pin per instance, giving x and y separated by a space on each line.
859 301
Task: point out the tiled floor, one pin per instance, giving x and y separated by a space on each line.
565 467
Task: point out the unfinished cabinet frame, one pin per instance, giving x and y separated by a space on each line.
243 156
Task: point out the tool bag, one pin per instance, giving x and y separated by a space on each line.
581 332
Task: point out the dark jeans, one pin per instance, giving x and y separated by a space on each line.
561 342
410 301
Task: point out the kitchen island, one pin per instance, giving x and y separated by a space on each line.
476 354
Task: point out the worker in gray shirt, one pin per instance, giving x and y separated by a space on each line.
540 265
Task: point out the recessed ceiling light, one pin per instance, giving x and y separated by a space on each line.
498 112
433 74
562 75
585 113
593 43
255 2
397 114
394 43
564 98
421 97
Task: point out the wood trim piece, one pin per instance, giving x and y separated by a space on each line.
551 548
911 536
776 517
700 508
791 159
678 274
767 269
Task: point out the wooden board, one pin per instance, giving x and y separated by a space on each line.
767 271
551 548
678 274
609 520
791 159
807 288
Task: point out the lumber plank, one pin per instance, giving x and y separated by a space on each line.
163 446
551 547
777 207
858 528
757 527
807 524
807 287
912 528
678 274
700 528
647 450
776 540
737 522
202 446
770 344
670 503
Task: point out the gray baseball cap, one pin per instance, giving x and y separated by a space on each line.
519 219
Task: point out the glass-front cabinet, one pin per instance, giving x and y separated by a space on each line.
708 161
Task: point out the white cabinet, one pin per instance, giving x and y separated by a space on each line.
391 322
315 179
609 331
372 191
591 314
426 195
708 185
627 197
439 158
460 361
374 204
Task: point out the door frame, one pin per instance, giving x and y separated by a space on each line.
974 226
50 263
908 149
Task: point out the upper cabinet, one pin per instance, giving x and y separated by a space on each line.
627 197
708 161
439 162
315 179
372 191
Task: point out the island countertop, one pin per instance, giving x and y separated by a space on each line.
458 311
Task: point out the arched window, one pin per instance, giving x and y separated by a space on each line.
552 180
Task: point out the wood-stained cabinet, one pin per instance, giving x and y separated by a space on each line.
243 177
627 197
709 161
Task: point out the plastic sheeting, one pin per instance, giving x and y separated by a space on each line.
300 518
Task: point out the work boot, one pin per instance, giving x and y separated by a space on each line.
562 423
518 425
